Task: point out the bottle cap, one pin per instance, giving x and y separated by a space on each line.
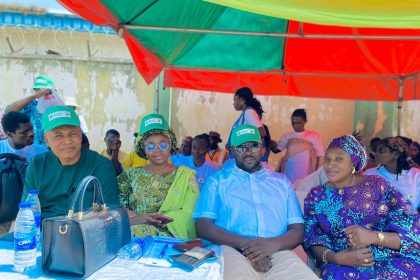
24 205
33 192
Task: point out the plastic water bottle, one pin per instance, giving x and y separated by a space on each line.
25 239
49 100
36 209
136 249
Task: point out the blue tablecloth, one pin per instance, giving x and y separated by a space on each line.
144 268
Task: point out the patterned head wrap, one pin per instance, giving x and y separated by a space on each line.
353 148
395 144
139 145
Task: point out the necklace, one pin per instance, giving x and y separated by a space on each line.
341 190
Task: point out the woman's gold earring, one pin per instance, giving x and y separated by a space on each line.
353 171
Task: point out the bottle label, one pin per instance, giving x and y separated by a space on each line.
23 244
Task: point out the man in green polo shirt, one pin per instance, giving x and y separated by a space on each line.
57 173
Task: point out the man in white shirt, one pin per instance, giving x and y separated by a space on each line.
254 213
20 136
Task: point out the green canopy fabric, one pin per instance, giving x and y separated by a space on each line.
354 13
188 49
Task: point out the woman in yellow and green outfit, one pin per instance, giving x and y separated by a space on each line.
160 197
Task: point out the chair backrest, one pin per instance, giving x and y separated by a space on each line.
301 197
12 172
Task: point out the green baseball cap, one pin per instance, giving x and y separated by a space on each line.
43 82
57 116
153 121
245 133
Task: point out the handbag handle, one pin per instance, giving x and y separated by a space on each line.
81 190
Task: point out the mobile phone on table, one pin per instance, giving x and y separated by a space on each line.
193 258
183 247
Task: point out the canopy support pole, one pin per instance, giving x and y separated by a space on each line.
399 104
156 97
269 34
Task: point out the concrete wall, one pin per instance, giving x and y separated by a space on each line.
379 119
107 86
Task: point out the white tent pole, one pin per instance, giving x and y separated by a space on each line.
156 97
399 104
269 34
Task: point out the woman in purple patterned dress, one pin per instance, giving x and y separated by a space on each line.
356 226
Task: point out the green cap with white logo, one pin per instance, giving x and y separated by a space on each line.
58 116
245 133
153 121
43 82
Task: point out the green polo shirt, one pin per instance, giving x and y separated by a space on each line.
57 183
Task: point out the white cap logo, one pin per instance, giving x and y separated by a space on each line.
152 121
59 114
245 131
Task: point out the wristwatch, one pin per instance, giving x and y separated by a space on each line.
381 237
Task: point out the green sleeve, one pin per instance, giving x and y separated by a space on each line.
29 183
125 188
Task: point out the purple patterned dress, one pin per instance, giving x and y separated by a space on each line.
373 204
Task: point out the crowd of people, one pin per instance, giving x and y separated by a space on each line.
356 223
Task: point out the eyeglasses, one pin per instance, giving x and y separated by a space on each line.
252 147
151 147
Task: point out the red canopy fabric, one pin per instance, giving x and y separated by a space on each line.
328 68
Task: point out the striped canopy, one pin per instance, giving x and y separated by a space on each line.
206 46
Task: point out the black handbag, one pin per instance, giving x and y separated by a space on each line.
80 243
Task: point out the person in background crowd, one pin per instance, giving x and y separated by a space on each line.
254 213
2 134
203 167
216 154
391 154
372 155
85 141
20 136
357 226
112 152
304 149
180 159
414 153
70 101
43 85
57 173
160 197
250 108
267 142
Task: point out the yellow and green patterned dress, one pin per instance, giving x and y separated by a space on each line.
145 192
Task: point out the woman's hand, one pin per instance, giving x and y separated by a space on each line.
353 257
155 219
359 236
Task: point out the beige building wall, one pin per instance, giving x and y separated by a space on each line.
107 85
195 112
410 121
